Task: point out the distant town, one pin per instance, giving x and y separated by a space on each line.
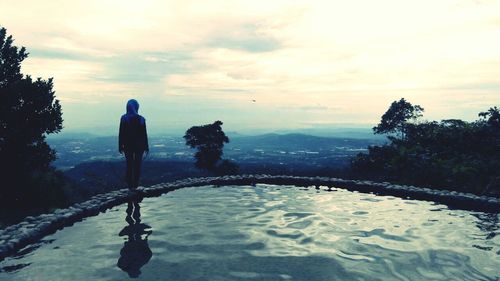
277 149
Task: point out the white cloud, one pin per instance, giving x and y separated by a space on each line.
353 56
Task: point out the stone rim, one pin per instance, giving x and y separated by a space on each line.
32 229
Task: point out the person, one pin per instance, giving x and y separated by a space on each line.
133 141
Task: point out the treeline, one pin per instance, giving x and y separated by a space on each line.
451 154
29 112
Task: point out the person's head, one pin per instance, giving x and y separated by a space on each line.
132 106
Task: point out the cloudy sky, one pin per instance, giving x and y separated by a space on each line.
260 64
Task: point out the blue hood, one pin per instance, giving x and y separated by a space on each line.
132 107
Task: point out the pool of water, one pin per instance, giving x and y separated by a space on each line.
268 233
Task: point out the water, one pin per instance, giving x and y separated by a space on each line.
268 233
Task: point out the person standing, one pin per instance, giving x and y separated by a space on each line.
133 141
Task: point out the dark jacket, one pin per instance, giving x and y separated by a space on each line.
133 135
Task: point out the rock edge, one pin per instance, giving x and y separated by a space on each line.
13 238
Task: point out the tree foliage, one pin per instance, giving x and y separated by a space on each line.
491 116
28 112
209 141
452 154
395 119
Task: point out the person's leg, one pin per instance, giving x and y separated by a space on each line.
136 215
129 156
137 167
130 210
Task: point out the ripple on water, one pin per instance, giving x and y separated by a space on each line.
304 224
294 235
298 215
269 233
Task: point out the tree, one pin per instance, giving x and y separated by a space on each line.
28 112
396 118
452 153
492 117
209 141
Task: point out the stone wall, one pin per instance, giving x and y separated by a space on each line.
32 229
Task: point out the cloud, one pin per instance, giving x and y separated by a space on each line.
244 37
137 67
352 58
50 53
314 108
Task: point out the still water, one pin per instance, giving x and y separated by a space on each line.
268 233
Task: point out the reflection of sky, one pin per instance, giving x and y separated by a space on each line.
271 231
304 63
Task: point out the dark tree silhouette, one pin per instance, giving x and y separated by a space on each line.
28 112
492 116
396 118
209 141
452 154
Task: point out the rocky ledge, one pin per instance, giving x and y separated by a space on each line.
32 229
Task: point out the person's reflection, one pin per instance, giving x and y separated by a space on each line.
135 252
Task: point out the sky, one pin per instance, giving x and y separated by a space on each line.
260 65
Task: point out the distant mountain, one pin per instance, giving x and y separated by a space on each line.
328 132
272 140
71 135
352 133
233 134
297 141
